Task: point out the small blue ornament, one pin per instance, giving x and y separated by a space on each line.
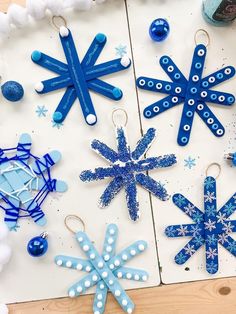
12 91
159 29
38 246
232 158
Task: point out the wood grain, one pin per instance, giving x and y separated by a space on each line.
211 297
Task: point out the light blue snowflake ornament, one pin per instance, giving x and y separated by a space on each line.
209 228
79 77
194 92
126 170
104 270
26 181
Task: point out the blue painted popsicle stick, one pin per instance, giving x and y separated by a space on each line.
228 208
78 78
218 77
74 263
144 144
49 63
65 105
105 89
56 83
216 97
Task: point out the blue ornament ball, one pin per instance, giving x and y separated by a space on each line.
12 91
38 246
159 29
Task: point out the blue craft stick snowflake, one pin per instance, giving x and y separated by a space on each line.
104 270
210 228
79 77
193 92
126 169
25 182
190 162
41 111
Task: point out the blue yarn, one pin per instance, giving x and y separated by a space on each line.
12 91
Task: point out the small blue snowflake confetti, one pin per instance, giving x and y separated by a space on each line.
41 111
79 77
190 162
209 228
193 92
126 170
57 125
104 270
121 51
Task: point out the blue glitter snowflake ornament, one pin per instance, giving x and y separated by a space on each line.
209 228
79 77
104 270
25 182
193 92
126 170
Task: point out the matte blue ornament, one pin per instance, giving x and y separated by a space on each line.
194 92
104 270
12 91
210 228
159 29
38 246
79 77
128 169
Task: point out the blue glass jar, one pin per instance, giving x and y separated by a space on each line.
219 12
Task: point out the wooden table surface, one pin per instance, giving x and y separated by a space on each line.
212 296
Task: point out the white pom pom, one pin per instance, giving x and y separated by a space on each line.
5 253
64 32
17 15
82 5
55 6
3 231
125 61
3 309
4 24
36 8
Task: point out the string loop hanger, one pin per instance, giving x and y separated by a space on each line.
68 223
119 117
59 23
217 170
201 36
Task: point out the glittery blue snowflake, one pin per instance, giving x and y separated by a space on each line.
126 170
25 182
210 228
41 111
193 92
104 270
78 78
190 162
121 51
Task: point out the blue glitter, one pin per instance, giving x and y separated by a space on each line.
210 228
126 170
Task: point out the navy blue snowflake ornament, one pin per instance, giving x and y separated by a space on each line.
210 228
194 92
79 77
105 270
126 170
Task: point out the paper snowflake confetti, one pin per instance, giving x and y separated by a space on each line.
126 169
193 92
104 270
41 111
121 51
79 77
25 182
190 162
209 228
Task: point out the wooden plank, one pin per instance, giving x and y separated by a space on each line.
212 296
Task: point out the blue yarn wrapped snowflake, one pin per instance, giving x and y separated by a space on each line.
126 170
104 270
26 181
193 92
209 228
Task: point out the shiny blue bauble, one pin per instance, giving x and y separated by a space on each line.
12 91
159 29
38 246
